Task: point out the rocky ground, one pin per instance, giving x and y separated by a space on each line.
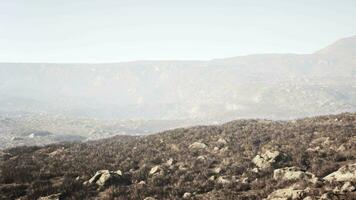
311 158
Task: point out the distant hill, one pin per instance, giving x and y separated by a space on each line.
311 158
278 86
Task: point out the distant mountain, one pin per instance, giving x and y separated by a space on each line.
270 85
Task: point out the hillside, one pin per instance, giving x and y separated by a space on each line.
310 158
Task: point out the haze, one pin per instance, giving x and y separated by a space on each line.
91 31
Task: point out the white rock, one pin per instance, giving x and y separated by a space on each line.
155 170
266 159
294 174
223 180
198 145
187 195
345 173
348 187
286 194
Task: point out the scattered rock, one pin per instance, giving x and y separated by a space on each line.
286 194
221 142
198 145
266 159
223 180
187 195
345 173
51 197
56 152
293 173
201 158
149 198
170 162
106 177
348 187
142 183
16 138
155 169
216 170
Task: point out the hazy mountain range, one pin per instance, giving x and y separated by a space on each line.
269 85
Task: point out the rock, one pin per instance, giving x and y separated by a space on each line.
341 148
308 198
149 198
201 158
51 197
56 152
255 170
216 170
216 149
223 150
170 162
221 142
211 178
105 177
198 145
223 180
294 174
266 159
345 173
142 183
16 138
155 170
286 194
348 187
187 195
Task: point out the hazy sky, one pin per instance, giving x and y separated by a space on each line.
123 30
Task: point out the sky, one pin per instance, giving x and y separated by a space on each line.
101 31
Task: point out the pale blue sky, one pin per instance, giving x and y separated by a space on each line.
124 30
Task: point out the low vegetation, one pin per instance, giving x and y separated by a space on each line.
236 160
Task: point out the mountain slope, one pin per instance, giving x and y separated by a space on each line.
243 159
276 86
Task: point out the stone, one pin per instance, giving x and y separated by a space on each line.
286 194
170 162
149 198
51 197
223 150
105 177
221 142
216 170
223 180
187 195
155 170
142 183
198 145
293 174
348 187
344 174
201 158
266 159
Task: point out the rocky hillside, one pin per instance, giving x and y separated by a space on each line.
311 158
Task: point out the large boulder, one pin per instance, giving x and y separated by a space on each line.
267 159
293 174
106 177
286 194
345 173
